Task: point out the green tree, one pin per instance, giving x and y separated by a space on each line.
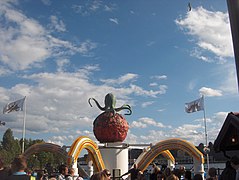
10 147
38 160
33 161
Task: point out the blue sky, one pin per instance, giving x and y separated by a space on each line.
153 55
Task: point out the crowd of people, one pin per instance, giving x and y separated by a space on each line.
17 171
230 172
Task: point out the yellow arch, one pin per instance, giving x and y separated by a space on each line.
46 147
167 154
140 160
84 142
169 144
148 157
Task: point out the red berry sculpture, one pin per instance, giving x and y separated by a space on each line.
110 126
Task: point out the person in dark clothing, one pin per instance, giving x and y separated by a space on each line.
228 173
18 167
188 175
155 170
3 171
133 173
197 177
63 170
212 173
235 164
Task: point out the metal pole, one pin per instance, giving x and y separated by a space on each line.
24 125
205 125
233 11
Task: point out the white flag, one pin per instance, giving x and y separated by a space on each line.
14 106
194 106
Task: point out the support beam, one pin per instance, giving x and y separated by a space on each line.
233 10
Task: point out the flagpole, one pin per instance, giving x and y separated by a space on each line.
205 122
205 127
24 125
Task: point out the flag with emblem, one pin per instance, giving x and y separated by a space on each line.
14 106
194 106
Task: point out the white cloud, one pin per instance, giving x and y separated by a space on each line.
60 139
219 116
95 5
58 102
194 133
152 122
145 104
87 46
211 31
57 24
150 43
91 7
218 119
60 143
84 10
228 78
114 20
110 8
122 79
192 84
190 132
46 2
152 137
131 138
153 84
198 53
210 92
145 122
4 71
161 110
17 41
137 124
61 63
140 91
215 124
159 77
24 43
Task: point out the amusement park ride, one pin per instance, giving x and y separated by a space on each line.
110 129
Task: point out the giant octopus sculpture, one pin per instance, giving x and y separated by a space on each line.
110 126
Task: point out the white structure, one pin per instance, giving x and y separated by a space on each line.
115 156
